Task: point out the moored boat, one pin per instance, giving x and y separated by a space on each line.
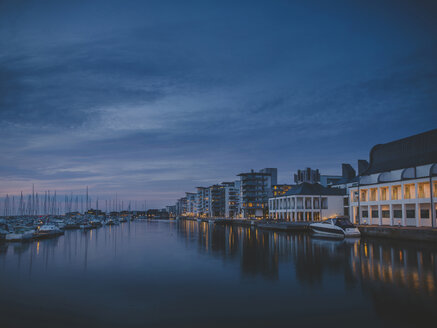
338 227
47 230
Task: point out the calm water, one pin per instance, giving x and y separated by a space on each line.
169 274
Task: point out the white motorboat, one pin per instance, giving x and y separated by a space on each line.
339 227
48 230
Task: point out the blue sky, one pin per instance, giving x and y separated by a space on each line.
153 98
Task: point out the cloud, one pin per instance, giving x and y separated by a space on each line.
152 101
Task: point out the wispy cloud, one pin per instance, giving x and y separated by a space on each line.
153 100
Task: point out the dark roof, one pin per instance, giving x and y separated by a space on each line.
420 149
314 189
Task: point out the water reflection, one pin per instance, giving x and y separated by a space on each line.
403 264
399 277
134 268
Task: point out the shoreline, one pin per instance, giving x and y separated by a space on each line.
387 232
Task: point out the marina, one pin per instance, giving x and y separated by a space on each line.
218 164
14 229
137 272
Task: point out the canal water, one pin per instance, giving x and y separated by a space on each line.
189 274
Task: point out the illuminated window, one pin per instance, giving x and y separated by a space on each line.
373 194
384 193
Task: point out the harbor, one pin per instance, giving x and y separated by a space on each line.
218 164
137 272
27 228
396 233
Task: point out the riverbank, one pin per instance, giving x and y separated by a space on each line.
400 233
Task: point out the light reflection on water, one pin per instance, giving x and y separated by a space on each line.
188 273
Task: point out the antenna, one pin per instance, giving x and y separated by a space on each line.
33 198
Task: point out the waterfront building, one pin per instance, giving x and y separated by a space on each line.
157 214
181 206
191 203
273 172
202 201
255 190
171 210
398 187
232 198
216 201
348 180
307 202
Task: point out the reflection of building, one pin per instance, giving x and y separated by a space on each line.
256 188
307 202
395 187
393 282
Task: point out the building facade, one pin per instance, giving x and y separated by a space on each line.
307 202
202 202
181 206
232 199
216 201
398 187
255 190
191 203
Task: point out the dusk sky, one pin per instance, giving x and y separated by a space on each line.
150 99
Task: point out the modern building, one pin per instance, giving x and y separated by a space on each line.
308 175
157 214
202 202
181 206
255 190
216 201
313 176
171 210
273 174
191 203
399 185
232 198
307 202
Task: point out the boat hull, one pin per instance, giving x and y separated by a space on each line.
332 231
327 231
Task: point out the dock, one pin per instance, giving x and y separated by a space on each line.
403 233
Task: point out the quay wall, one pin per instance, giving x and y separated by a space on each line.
404 233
